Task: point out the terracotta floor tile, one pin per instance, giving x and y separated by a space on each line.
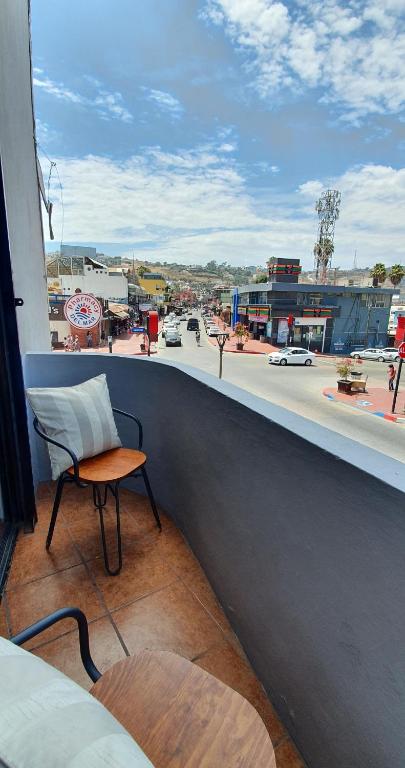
3 622
171 619
64 653
227 665
287 756
45 490
86 534
142 572
173 547
197 582
29 602
32 561
76 503
44 508
139 508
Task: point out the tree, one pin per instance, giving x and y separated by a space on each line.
142 269
379 273
397 273
261 279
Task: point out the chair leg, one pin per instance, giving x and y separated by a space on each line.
100 506
151 499
56 503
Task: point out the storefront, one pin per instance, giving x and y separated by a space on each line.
256 319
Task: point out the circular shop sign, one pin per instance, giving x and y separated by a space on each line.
83 311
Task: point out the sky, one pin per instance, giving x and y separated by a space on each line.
191 130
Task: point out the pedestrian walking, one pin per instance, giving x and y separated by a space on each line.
76 345
89 338
391 377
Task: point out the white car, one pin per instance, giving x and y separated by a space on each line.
172 337
213 330
291 356
372 353
168 327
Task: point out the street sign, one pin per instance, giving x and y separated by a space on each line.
401 350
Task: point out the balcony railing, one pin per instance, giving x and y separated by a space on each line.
299 535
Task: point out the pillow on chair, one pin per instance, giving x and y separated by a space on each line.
48 721
79 417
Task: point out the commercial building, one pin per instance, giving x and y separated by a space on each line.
76 270
154 283
327 318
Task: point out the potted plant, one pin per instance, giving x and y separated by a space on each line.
242 334
343 369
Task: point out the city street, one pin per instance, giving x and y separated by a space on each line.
297 388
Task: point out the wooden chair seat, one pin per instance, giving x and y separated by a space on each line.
110 466
182 716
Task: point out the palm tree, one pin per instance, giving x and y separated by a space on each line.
379 273
397 273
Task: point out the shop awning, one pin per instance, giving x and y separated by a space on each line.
118 310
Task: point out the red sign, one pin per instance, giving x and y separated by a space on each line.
153 325
401 350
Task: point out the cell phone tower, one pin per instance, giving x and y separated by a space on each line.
327 208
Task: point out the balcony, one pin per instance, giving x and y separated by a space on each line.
277 530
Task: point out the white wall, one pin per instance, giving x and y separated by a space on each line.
101 284
20 176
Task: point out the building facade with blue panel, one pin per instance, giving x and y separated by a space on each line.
329 318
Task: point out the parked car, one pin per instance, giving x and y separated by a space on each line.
291 356
372 353
213 330
193 324
172 337
393 352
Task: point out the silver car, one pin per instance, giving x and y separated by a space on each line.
372 353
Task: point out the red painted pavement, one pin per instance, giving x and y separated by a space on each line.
250 347
376 401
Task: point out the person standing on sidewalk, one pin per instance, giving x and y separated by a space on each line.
391 377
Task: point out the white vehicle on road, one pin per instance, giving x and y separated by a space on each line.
292 356
372 353
213 330
172 337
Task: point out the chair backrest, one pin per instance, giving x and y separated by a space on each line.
48 721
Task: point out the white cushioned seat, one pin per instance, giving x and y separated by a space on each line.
79 417
48 721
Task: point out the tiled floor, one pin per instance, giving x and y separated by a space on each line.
161 599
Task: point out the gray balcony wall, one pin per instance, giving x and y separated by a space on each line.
305 550
18 159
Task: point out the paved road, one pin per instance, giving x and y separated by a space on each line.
297 388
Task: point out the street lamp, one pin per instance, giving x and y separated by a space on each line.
221 339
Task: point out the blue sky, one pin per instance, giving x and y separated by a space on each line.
186 130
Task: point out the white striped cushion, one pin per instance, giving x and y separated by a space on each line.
79 417
48 721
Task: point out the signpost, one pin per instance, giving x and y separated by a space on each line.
401 352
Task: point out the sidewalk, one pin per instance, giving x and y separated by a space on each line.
376 401
250 347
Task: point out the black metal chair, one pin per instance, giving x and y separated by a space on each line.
104 473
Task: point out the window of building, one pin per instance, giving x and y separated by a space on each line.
377 300
314 298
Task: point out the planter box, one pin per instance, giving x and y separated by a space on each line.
344 386
239 346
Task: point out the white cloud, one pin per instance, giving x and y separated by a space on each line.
165 102
109 105
354 52
194 205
